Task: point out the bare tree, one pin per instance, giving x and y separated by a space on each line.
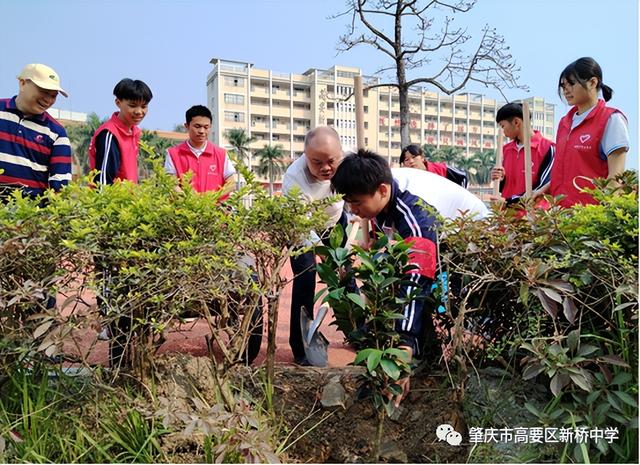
445 52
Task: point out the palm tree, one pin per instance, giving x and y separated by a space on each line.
431 152
452 156
159 146
80 137
240 141
486 160
271 163
470 164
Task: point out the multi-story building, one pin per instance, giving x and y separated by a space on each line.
278 108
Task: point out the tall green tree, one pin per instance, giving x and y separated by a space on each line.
80 137
240 141
271 163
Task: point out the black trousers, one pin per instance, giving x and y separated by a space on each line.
304 289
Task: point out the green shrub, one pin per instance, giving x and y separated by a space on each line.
557 292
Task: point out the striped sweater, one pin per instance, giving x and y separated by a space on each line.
35 153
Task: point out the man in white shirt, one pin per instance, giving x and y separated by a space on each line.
448 198
312 173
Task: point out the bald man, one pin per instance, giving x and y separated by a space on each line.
312 174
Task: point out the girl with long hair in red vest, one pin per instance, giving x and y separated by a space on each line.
592 139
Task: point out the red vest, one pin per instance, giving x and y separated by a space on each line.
513 164
128 143
438 168
578 154
208 168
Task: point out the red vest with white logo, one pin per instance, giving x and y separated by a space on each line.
513 164
208 168
128 143
578 154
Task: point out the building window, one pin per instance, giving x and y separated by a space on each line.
233 81
346 74
236 116
235 99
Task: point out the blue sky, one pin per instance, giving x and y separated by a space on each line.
168 44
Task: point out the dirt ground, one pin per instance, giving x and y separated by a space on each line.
341 434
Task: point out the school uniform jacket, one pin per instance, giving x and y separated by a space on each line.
415 221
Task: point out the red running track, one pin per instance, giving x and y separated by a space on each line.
191 337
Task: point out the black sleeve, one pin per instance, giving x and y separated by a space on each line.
544 172
457 175
107 157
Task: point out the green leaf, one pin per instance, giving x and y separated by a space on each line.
395 389
389 281
617 417
622 378
569 309
548 304
626 398
613 400
524 294
552 294
532 409
400 353
336 237
373 360
319 294
572 339
559 381
362 355
587 349
336 293
389 407
531 371
356 299
390 368
581 381
592 397
613 360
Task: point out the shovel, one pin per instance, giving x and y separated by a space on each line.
314 342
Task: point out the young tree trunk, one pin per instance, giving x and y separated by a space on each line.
270 180
403 100
272 302
375 450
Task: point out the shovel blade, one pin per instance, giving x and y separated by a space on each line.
314 342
